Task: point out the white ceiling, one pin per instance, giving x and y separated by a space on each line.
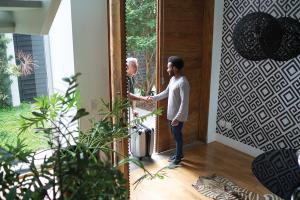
27 16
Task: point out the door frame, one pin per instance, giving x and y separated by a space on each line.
117 52
117 70
205 53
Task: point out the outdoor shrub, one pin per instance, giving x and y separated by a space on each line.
141 40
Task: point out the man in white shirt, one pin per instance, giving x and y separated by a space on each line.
177 93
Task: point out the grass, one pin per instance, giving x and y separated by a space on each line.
9 129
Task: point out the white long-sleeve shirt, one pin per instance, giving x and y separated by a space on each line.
178 92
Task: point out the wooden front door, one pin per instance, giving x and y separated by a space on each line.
185 29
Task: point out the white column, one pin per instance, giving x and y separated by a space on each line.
60 48
48 65
14 87
91 53
215 68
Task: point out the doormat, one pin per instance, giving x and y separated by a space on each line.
221 188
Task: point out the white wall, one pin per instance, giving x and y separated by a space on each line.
61 47
213 105
91 54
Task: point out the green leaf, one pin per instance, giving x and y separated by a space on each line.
80 113
68 80
12 194
37 114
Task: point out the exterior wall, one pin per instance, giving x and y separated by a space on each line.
27 86
40 73
35 84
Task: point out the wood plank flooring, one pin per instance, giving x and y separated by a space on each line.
200 160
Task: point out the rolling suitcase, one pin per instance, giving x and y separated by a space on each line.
141 141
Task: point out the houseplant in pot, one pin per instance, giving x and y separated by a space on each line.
74 170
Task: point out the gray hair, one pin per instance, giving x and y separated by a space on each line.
133 61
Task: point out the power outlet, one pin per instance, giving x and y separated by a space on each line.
228 125
222 123
225 124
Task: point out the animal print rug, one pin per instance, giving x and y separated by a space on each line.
220 188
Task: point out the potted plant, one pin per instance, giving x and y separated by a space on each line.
74 170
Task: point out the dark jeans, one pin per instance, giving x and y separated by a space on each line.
177 134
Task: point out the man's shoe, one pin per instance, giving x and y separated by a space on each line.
172 158
176 162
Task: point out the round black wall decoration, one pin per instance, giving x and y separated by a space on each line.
290 43
257 36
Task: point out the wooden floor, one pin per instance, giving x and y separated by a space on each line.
200 160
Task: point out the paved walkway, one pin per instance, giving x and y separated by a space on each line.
150 121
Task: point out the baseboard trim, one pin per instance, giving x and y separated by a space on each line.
238 145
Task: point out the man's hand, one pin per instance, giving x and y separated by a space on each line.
149 98
143 98
174 122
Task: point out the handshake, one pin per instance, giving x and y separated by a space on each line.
145 98
134 97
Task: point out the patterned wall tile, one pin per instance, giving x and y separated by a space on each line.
260 99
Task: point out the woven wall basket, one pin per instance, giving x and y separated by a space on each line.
290 43
257 36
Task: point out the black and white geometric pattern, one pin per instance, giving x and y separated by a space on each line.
261 99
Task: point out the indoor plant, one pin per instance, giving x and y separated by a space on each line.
74 171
